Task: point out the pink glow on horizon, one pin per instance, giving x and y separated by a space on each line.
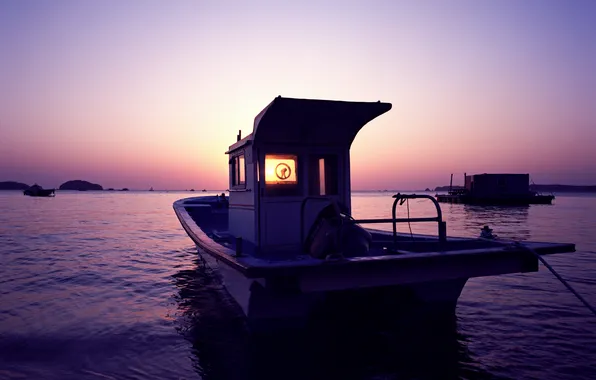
150 94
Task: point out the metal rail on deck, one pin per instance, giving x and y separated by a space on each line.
442 226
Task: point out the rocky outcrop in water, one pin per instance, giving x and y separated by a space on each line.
80 185
11 185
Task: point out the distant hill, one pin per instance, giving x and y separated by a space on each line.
563 188
80 185
11 185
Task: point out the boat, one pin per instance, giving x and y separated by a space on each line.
38 191
495 190
284 242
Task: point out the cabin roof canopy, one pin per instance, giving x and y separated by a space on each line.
314 121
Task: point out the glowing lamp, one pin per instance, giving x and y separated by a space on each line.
280 170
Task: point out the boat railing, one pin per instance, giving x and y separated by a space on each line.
401 198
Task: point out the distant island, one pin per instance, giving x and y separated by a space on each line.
542 188
446 188
11 185
80 185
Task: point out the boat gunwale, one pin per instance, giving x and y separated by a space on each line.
253 267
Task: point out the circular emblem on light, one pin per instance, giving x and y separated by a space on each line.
283 171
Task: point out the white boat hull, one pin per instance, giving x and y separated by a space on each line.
265 307
289 291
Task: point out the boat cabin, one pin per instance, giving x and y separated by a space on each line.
295 162
497 185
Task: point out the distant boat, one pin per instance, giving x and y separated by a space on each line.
38 191
204 190
151 189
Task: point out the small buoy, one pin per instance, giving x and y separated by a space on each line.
486 233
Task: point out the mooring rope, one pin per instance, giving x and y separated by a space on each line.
409 225
543 261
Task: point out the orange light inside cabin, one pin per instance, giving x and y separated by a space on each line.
280 170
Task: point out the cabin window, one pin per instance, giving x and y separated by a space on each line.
241 171
323 175
281 175
280 170
238 171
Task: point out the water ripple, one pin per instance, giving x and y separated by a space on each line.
102 285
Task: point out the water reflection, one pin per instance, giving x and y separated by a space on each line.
212 323
507 222
334 345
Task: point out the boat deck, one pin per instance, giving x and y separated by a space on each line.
205 220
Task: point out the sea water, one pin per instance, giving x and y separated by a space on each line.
107 285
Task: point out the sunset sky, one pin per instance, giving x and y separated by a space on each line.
151 93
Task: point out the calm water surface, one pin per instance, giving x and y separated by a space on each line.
106 285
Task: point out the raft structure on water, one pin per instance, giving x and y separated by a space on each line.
495 190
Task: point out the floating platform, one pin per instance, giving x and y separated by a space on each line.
496 201
499 189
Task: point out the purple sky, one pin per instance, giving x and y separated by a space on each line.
151 93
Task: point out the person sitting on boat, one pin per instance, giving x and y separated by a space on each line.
487 233
222 199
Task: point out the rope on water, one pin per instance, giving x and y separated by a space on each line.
409 225
543 261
